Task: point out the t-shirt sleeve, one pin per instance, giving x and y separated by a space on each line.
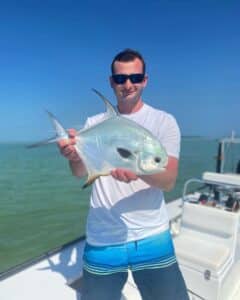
91 121
171 137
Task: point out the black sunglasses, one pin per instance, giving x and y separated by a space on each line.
122 78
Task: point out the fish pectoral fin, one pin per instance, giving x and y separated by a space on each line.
92 178
125 153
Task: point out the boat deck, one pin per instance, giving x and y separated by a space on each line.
55 277
56 274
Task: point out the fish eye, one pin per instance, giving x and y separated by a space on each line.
157 159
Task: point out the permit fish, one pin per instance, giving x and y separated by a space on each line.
114 142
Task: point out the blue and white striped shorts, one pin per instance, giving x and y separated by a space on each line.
150 253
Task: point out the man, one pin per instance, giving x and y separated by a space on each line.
127 226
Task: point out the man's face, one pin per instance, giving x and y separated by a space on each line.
128 92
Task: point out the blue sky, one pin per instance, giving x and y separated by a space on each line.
53 52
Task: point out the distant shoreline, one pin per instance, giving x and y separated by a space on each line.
193 136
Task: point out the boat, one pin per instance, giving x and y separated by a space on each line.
205 225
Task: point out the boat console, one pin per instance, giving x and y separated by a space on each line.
215 189
207 244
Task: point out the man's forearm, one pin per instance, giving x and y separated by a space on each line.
77 167
165 181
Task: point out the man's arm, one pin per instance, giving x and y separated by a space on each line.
164 180
78 169
68 150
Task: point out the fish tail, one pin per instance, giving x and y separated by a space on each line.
60 130
61 133
44 142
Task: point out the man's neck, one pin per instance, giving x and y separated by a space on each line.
129 108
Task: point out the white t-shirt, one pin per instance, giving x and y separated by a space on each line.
122 212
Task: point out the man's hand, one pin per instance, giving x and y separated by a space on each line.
164 180
124 175
67 148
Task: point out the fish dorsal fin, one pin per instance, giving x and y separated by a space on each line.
110 109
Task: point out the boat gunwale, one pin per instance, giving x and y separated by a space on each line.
32 261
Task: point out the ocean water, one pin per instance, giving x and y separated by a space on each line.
42 206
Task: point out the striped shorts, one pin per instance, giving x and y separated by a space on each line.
150 253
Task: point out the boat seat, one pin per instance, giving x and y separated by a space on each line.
200 253
206 244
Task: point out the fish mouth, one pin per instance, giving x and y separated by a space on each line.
152 165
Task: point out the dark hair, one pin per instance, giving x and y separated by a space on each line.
126 56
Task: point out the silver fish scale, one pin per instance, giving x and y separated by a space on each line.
98 145
116 142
